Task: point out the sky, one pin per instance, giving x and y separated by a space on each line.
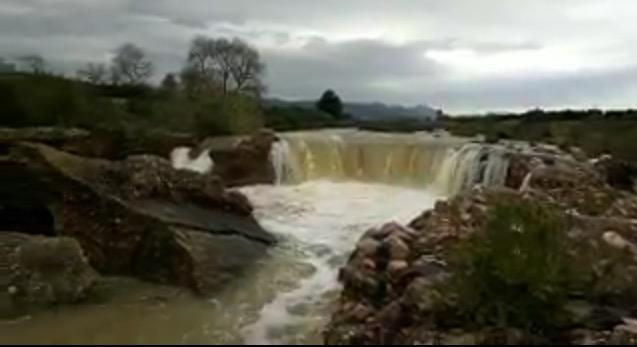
462 56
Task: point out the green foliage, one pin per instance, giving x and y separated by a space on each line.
594 131
522 270
43 100
330 103
518 273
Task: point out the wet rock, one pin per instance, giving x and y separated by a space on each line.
396 268
41 271
248 162
367 247
398 249
142 218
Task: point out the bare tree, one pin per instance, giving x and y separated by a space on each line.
33 63
95 73
130 65
245 66
233 66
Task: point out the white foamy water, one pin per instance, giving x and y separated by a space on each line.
180 158
324 219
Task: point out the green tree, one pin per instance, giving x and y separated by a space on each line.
169 83
330 103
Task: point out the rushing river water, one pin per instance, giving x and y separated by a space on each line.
332 187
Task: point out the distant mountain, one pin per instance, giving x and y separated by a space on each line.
368 111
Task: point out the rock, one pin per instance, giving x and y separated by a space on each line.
624 334
396 268
615 240
41 271
360 312
398 249
139 217
459 338
420 295
578 154
367 247
248 162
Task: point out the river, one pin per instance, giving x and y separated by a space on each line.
332 186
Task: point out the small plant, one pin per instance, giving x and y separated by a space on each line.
517 273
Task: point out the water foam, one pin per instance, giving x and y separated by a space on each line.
323 220
181 160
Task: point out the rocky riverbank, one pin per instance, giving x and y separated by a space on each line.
394 281
66 219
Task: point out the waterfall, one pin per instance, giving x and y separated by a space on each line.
448 165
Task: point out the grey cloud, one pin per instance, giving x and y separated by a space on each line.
365 49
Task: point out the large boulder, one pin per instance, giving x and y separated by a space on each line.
39 271
248 161
138 217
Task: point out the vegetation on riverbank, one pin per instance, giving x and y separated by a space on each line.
595 131
523 271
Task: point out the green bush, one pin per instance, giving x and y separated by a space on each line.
518 273
523 270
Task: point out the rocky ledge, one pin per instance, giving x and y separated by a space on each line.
136 217
393 283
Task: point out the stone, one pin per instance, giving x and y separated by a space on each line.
615 240
139 217
395 268
367 247
44 271
247 162
398 249
420 295
360 312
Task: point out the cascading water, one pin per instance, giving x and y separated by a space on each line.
331 187
448 165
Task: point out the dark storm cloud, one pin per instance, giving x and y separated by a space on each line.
459 55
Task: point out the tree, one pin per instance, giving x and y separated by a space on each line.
330 103
169 83
34 63
230 66
130 65
95 73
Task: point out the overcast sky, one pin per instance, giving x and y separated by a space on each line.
458 55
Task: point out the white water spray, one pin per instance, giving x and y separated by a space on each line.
181 160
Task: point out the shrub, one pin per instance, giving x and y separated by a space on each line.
517 273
